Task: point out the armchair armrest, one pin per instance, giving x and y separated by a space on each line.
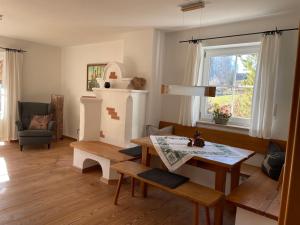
19 125
51 125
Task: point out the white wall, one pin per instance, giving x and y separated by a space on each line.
143 56
41 69
175 55
138 50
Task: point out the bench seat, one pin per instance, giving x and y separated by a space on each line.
258 194
88 154
196 193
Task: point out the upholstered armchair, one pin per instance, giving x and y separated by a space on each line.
33 136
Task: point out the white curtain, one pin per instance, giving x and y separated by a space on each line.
11 94
264 90
190 106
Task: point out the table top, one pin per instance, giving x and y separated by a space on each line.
228 162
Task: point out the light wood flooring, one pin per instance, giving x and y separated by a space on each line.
43 188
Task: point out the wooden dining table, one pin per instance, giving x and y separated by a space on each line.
220 165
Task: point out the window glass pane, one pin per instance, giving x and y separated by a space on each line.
222 70
233 74
224 97
242 102
246 70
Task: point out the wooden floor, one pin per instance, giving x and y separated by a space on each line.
43 188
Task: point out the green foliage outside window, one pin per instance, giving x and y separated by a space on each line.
239 95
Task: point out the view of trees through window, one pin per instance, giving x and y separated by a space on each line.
234 77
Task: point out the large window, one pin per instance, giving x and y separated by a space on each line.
232 70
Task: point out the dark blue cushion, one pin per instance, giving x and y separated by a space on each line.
273 161
165 178
133 151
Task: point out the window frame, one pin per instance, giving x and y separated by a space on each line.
225 50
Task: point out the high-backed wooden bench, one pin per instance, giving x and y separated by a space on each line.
257 200
257 197
88 154
196 193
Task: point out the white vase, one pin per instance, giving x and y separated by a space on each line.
101 82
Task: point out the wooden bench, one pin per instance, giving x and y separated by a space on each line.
196 193
88 154
257 199
258 195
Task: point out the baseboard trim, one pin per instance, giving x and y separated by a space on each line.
107 181
68 137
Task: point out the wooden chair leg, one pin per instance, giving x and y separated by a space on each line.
196 214
21 148
118 188
207 216
132 186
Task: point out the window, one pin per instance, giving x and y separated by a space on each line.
232 70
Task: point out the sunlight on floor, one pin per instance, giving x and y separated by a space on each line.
3 171
2 143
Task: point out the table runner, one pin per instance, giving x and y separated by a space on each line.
174 152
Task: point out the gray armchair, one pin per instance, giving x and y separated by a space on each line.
31 137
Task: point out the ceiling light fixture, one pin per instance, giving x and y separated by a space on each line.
192 5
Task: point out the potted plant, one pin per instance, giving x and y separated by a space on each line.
221 115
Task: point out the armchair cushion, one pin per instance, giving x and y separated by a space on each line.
28 109
35 133
39 122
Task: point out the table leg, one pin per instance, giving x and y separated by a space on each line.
132 186
146 162
235 181
118 188
220 182
235 177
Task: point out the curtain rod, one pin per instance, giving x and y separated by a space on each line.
13 49
237 35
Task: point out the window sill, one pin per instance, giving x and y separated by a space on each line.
228 127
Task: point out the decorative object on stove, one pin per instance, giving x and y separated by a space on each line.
221 115
115 73
107 85
137 83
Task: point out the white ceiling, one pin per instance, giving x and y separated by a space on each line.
68 22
